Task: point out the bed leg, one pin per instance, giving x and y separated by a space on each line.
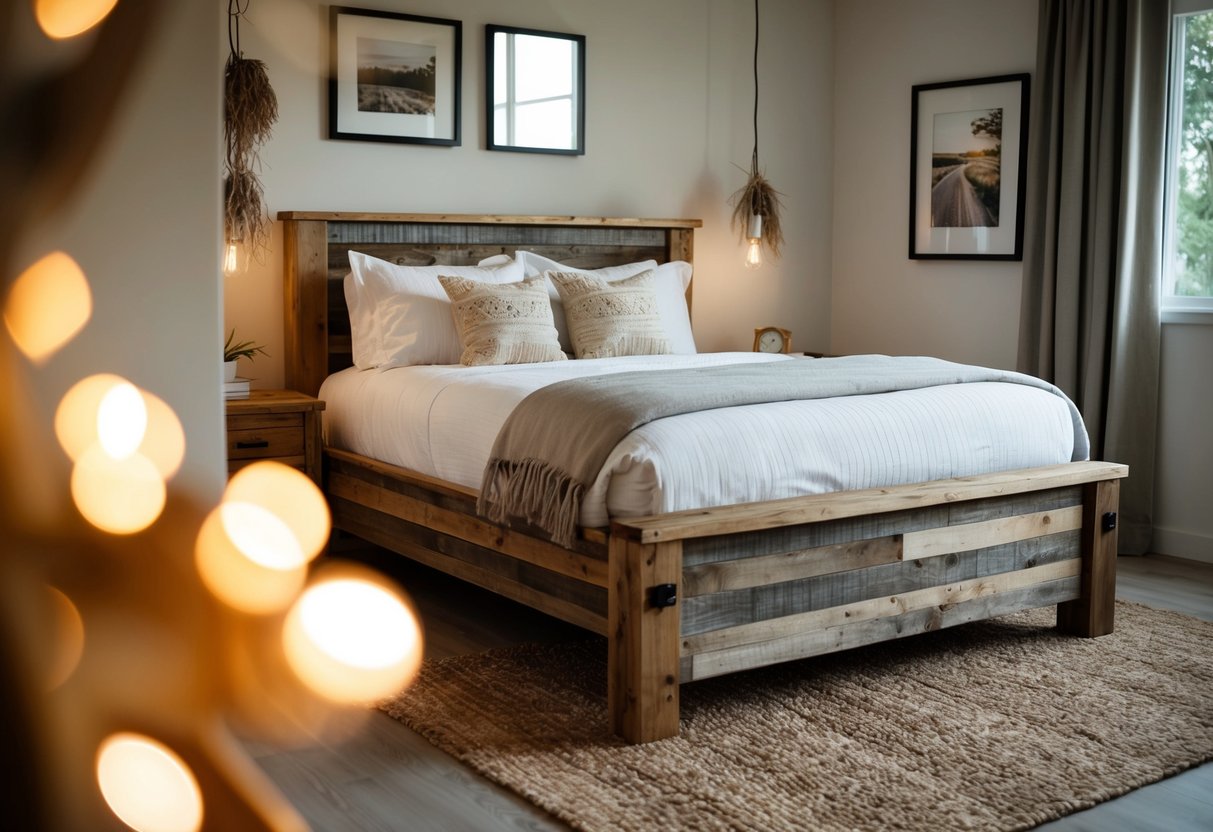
643 629
1093 614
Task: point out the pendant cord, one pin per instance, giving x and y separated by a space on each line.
236 10
754 158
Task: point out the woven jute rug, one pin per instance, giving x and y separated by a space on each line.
999 725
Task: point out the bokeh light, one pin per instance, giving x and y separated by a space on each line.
47 305
120 496
68 638
76 415
147 785
61 19
164 439
353 638
290 495
249 559
121 420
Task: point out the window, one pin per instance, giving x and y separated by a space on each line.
1188 270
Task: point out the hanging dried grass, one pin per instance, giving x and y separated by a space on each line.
250 109
759 198
245 218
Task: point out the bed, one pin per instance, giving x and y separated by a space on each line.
689 594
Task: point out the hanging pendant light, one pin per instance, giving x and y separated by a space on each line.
756 204
250 110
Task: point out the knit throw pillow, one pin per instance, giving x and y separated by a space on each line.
611 318
503 323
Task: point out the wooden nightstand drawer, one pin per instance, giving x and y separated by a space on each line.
277 425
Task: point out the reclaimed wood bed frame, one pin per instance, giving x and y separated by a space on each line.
694 594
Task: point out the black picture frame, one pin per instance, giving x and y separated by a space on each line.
501 114
968 168
367 45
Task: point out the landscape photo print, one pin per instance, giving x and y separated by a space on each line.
394 77
967 164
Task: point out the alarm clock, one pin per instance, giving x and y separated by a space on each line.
772 339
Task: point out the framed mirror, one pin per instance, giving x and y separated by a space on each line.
535 90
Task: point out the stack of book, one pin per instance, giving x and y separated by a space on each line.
237 388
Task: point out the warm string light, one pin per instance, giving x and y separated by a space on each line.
147 785
61 19
47 305
352 638
125 444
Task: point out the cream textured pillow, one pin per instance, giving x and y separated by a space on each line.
608 318
671 288
503 323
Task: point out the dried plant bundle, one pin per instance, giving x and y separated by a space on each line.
250 109
245 218
759 198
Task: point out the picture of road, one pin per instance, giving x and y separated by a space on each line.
396 77
965 169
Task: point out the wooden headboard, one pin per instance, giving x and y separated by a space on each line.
315 244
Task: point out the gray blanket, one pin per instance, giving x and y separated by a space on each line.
552 447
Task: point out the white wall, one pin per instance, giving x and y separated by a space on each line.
883 301
144 226
1183 497
669 98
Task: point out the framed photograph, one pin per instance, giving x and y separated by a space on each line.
968 161
394 77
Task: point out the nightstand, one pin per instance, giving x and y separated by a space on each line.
281 425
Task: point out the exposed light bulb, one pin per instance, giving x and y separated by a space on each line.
235 261
753 233
753 254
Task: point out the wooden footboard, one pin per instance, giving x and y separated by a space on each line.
694 594
701 593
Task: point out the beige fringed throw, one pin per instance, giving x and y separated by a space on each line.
552 447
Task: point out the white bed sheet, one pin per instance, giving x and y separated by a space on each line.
442 421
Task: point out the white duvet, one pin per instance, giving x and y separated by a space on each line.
442 420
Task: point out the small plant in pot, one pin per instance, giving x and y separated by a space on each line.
233 350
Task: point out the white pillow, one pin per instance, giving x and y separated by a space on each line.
503 323
670 284
400 315
612 317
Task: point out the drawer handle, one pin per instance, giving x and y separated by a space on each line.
264 443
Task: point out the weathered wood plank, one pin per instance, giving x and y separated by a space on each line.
466 527
804 563
779 540
846 636
793 625
1094 613
575 602
731 608
447 495
642 664
488 219
305 305
967 536
423 254
818 507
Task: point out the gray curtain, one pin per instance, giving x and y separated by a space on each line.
1093 229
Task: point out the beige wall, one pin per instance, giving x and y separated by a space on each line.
144 226
669 97
883 301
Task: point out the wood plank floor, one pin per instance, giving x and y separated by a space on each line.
389 778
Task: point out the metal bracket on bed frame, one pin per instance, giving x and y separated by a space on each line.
663 595
1108 521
